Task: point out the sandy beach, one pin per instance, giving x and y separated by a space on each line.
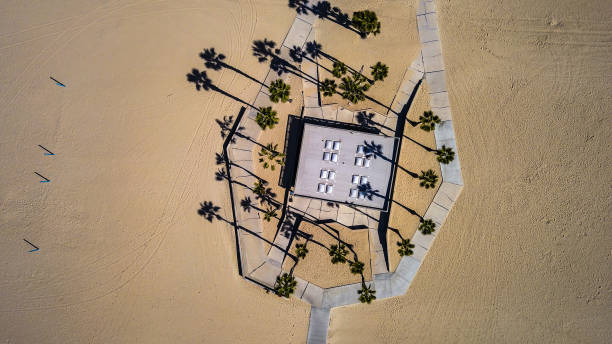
125 258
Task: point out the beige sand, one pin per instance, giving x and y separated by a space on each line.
124 256
524 255
317 266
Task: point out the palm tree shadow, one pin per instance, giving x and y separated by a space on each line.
215 61
209 211
375 150
219 159
298 54
367 190
366 119
202 82
265 50
221 175
247 204
314 50
225 125
324 10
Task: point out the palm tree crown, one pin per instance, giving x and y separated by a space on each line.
354 88
259 188
379 71
279 91
427 226
366 22
357 267
328 87
366 295
338 253
428 121
266 118
428 179
445 154
285 285
339 69
269 156
405 247
269 214
301 250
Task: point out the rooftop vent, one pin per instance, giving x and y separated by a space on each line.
326 156
358 161
321 187
353 193
336 145
334 157
329 144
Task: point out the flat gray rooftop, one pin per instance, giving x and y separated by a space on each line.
345 166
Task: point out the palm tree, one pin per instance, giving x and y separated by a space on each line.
285 285
301 250
279 91
269 214
445 155
264 194
428 121
405 247
379 71
269 157
366 22
354 88
339 69
357 267
259 188
338 253
328 87
427 227
266 118
366 295
428 179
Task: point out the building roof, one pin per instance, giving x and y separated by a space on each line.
345 166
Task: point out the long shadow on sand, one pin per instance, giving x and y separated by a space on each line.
324 10
202 82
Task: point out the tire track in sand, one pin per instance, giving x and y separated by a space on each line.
156 233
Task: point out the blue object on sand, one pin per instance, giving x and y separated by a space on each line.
48 151
57 82
35 247
46 180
